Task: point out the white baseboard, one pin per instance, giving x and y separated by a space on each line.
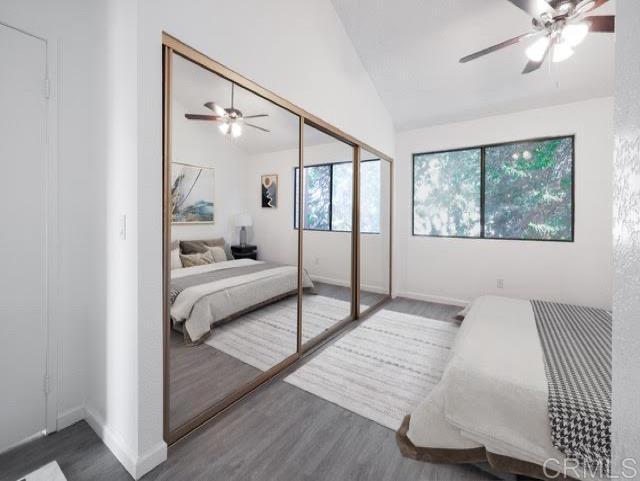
429 298
152 458
70 417
28 439
341 283
137 466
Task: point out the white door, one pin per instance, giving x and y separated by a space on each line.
23 313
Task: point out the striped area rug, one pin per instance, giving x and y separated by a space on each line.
267 336
382 369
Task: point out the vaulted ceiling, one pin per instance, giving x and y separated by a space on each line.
411 49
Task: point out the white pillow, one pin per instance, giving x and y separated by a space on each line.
176 263
219 255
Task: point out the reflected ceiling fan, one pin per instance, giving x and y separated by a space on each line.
230 120
558 25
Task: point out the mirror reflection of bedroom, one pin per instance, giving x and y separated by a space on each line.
234 277
233 180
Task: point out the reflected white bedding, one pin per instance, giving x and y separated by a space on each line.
225 289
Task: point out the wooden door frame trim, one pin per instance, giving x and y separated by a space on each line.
170 46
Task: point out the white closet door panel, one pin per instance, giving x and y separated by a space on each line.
22 236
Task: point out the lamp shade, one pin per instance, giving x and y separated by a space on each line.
244 220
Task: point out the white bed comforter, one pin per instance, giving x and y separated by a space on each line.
493 392
200 306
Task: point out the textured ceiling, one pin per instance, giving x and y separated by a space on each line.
411 49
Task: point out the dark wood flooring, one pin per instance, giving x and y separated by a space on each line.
277 433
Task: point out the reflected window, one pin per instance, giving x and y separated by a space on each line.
328 197
370 197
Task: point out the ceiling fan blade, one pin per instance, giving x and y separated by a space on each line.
532 65
256 127
494 48
255 116
586 6
219 111
535 8
201 117
602 23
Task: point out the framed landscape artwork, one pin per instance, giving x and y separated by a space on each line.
269 191
192 194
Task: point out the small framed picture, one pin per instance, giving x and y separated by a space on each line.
269 191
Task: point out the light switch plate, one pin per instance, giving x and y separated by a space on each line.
123 227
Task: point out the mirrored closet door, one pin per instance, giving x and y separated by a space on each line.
326 217
375 230
261 238
233 278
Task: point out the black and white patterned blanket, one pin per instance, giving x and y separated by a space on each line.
576 342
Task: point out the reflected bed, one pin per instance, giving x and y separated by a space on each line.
203 296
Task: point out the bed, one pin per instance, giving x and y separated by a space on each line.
205 295
492 403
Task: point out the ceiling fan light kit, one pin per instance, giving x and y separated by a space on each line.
561 52
560 26
537 50
575 33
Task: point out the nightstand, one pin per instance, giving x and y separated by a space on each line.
246 252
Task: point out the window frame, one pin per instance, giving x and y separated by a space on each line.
295 203
482 148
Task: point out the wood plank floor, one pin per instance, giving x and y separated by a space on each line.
278 433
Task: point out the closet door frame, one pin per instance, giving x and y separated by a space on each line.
172 46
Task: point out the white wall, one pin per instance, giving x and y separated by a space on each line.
626 301
272 229
458 270
196 143
70 27
115 373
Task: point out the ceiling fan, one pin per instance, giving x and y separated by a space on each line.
558 25
230 120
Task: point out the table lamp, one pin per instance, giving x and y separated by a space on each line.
243 221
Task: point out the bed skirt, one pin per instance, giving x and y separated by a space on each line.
498 462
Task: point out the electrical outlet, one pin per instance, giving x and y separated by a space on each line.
500 283
316 261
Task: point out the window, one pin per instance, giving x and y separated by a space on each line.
518 191
446 193
317 197
328 197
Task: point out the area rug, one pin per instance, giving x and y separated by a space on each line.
48 472
382 369
267 336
